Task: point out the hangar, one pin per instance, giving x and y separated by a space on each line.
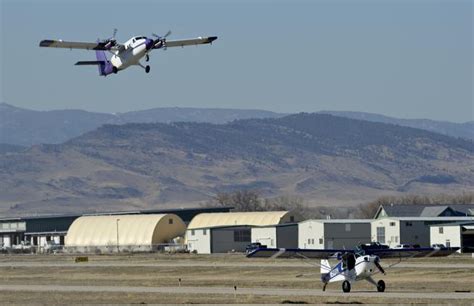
276 236
333 233
456 234
41 231
408 230
123 232
226 232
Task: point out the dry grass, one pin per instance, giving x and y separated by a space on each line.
399 279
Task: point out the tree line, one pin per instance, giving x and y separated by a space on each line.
251 200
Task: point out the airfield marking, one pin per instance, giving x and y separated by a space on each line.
241 291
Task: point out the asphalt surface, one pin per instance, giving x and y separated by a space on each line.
170 263
253 291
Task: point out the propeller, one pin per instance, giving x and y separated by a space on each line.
377 264
161 39
110 42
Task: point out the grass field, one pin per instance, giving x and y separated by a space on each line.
224 271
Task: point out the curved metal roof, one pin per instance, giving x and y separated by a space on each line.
132 230
260 218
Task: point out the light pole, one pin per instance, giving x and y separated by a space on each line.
118 248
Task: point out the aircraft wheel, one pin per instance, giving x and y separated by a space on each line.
114 69
346 286
147 69
380 286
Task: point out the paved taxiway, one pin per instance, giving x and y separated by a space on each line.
168 264
251 291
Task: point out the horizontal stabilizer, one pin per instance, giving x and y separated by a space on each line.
90 63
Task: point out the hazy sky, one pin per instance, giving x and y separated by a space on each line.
409 59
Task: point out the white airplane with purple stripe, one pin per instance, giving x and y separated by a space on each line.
127 54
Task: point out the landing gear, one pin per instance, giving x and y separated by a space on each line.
380 286
147 58
147 69
114 69
346 286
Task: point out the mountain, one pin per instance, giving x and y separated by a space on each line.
325 159
188 114
25 127
463 130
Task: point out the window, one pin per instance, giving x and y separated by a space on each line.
396 239
448 243
320 240
242 235
381 234
192 233
408 224
441 230
170 221
392 223
204 232
312 241
348 227
309 241
292 218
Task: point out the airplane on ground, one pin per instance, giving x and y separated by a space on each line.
352 265
127 54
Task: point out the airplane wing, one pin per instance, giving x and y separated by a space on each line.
412 252
296 253
190 42
328 253
78 45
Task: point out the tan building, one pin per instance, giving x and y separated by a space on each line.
114 233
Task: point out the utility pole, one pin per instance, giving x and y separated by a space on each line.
118 245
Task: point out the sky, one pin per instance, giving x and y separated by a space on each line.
406 59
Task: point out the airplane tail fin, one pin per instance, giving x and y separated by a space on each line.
325 266
325 272
103 62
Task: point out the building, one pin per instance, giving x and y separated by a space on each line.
408 230
333 233
230 232
35 231
121 233
276 236
456 234
429 210
38 231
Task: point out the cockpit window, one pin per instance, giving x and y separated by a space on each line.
141 37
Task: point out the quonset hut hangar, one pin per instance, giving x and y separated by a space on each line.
227 232
123 232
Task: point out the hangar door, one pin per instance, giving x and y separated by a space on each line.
230 239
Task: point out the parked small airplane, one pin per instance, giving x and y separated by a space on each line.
352 265
126 54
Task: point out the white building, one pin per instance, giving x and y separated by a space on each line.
230 232
276 236
333 233
408 230
456 234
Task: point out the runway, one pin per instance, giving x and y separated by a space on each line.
243 291
168 264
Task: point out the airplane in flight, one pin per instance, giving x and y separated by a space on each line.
351 265
127 54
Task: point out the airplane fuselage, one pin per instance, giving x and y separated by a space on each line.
135 49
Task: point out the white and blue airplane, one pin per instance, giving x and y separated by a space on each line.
352 265
127 54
